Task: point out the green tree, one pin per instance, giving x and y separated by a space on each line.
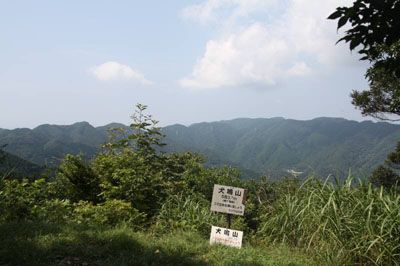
382 100
385 177
143 137
76 180
374 25
388 175
132 167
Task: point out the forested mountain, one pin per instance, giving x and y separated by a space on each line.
275 146
47 144
272 146
15 167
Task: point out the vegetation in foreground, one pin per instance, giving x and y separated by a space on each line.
45 244
130 201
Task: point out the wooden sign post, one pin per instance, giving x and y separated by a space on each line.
229 200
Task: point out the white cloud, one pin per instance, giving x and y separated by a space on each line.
116 71
252 55
299 69
209 11
295 40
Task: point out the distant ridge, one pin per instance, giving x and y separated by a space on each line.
259 146
47 144
273 146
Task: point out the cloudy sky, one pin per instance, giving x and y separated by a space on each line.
189 61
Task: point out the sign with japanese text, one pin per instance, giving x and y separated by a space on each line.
225 236
228 199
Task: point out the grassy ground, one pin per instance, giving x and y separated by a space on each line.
39 244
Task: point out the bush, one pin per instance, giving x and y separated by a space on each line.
77 181
111 213
385 177
126 176
17 198
53 211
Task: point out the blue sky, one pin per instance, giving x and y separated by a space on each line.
189 61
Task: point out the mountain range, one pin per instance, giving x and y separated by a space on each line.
263 146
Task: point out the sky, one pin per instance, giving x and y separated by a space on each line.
190 61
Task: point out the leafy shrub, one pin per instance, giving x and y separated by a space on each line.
126 176
111 212
17 198
385 177
53 211
76 180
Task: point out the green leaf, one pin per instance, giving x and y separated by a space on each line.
354 43
342 21
335 15
345 38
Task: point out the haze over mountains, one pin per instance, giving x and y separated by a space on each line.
271 146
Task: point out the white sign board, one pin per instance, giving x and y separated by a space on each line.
228 199
225 236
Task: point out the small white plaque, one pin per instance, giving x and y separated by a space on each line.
225 236
228 199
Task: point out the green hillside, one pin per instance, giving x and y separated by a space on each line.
48 144
272 146
257 146
15 167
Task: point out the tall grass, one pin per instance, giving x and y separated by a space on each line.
343 222
191 213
